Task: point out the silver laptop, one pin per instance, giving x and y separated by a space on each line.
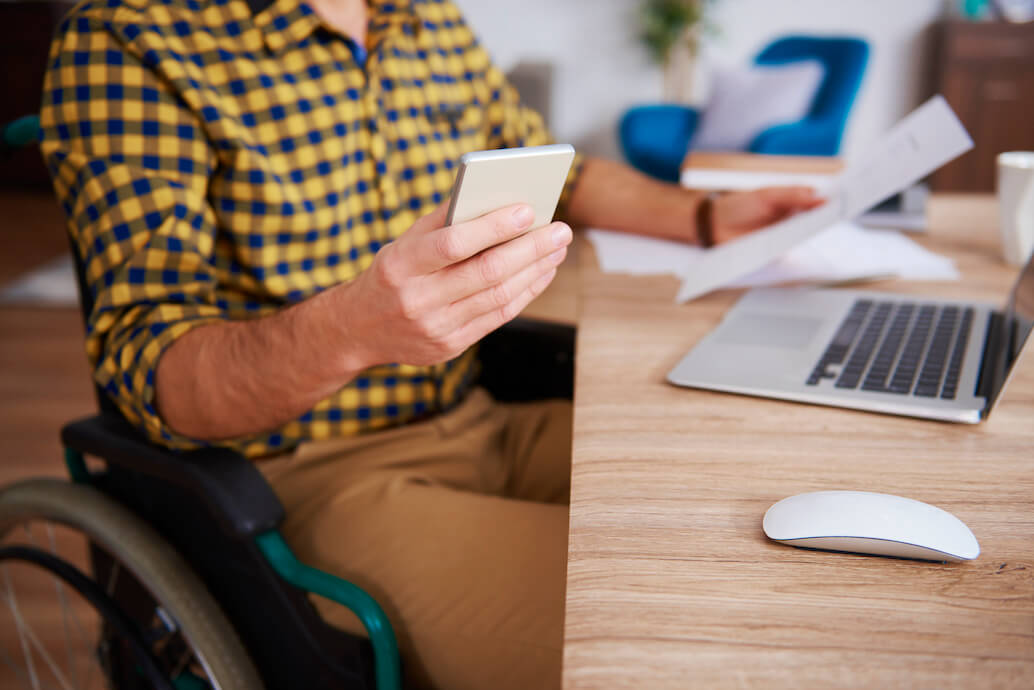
898 354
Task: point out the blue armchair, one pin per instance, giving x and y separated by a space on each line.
654 138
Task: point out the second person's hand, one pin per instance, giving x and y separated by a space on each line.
739 213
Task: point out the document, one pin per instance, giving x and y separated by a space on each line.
844 252
922 142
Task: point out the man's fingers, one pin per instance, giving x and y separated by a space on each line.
499 295
498 264
452 244
792 198
482 325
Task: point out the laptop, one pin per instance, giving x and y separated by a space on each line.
883 352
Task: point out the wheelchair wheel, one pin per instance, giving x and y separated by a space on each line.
140 619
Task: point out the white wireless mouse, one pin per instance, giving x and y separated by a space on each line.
864 522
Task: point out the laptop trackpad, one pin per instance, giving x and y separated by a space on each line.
769 330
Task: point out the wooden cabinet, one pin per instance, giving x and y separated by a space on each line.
986 72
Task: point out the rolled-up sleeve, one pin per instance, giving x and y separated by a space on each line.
130 165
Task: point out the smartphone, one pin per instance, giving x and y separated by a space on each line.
490 180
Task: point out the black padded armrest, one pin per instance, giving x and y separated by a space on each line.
229 485
527 359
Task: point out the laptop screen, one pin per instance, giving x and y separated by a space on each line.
1017 321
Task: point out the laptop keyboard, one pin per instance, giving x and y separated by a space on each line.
898 347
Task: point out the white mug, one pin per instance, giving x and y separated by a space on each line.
1016 205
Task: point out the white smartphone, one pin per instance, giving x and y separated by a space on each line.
490 180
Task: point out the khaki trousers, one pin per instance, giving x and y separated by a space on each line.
457 526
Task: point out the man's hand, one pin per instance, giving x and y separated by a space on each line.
427 296
612 195
437 289
739 213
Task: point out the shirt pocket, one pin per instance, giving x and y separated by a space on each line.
453 116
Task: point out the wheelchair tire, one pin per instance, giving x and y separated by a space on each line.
135 546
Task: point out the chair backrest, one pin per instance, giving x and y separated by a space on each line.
654 138
844 59
19 133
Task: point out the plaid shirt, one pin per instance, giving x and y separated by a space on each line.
221 161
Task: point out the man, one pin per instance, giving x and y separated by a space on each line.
257 191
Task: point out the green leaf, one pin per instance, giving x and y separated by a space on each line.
664 24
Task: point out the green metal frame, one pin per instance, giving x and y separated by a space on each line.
387 669
382 637
76 465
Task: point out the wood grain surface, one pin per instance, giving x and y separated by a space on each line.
671 581
755 162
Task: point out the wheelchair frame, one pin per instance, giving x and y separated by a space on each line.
106 436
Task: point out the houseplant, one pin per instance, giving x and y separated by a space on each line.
670 30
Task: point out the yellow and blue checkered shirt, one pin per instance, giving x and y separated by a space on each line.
219 160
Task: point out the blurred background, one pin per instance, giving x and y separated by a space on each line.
589 65
602 66
586 62
967 50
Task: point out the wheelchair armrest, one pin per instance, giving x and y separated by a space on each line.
527 359
227 483
18 133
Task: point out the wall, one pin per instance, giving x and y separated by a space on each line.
601 69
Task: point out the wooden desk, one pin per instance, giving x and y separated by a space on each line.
559 303
671 582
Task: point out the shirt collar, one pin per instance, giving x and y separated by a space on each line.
287 22
283 22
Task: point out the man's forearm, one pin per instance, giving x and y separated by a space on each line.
614 196
235 378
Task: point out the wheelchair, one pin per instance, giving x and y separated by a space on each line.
163 569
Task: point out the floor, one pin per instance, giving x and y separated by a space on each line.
44 382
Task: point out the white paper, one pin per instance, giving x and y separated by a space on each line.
621 252
847 251
53 284
719 266
844 251
926 139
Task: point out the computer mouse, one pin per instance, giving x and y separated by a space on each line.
865 522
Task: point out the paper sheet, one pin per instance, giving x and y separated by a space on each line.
844 251
923 141
621 252
848 251
53 284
